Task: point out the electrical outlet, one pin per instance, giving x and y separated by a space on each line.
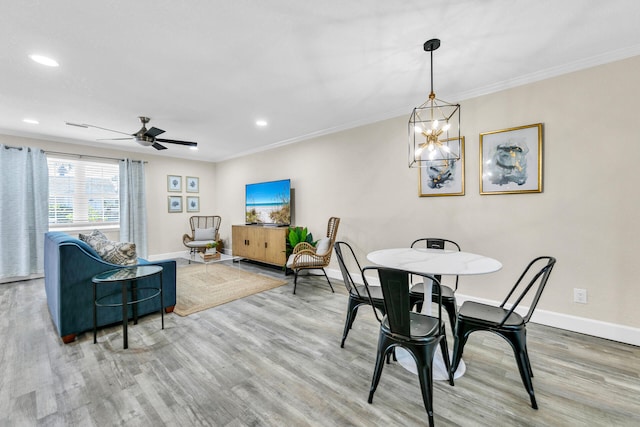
580 295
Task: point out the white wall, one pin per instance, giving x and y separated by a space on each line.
586 215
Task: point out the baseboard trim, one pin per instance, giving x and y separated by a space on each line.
582 325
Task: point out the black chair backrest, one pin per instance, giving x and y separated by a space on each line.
395 291
344 252
434 243
537 276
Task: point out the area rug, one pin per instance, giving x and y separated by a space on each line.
200 286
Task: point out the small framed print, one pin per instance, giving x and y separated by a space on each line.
511 160
443 177
193 184
193 204
174 183
175 204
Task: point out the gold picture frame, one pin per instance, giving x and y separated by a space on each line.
442 177
511 160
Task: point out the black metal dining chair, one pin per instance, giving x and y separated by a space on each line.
447 293
417 333
358 294
475 316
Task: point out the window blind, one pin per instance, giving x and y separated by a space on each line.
83 192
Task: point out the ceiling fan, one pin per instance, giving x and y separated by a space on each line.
145 137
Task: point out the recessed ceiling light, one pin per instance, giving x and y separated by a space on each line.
31 121
261 123
44 60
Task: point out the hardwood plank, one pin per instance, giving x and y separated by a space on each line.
274 359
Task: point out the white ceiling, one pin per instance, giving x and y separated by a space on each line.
206 70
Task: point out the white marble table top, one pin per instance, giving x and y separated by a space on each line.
434 261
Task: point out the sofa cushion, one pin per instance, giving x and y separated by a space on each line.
204 234
121 253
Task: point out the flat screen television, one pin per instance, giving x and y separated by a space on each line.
268 203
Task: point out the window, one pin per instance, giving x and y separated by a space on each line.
83 192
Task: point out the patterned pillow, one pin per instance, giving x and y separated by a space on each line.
122 253
95 234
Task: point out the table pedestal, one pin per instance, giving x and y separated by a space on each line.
439 369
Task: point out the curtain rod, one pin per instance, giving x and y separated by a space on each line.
9 147
80 156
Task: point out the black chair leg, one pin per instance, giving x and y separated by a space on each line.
377 371
460 339
352 311
518 343
329 281
444 349
452 311
295 281
424 356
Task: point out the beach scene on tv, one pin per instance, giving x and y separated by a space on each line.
268 203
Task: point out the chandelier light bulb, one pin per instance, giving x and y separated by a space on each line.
446 127
434 125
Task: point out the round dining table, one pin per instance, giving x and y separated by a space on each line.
436 262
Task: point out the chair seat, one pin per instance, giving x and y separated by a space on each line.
447 292
421 326
199 243
375 291
488 315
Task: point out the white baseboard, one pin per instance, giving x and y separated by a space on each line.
596 328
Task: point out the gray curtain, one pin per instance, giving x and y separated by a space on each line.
133 205
24 210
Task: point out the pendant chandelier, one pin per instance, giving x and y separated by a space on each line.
434 127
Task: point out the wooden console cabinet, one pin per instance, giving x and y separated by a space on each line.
258 243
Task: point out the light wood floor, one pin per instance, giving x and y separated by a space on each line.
274 359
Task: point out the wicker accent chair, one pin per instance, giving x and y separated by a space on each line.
307 257
204 230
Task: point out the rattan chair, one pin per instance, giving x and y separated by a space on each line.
475 316
204 231
307 257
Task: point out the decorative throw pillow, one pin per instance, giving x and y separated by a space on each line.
204 234
97 234
323 246
121 253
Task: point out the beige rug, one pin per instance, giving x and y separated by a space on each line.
204 286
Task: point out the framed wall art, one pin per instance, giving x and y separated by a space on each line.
511 160
442 177
175 204
193 204
174 183
193 184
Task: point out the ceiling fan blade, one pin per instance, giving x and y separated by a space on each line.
158 146
153 132
173 141
113 139
84 125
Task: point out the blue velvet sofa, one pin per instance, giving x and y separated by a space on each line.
69 265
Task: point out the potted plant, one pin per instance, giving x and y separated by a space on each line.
297 235
211 247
